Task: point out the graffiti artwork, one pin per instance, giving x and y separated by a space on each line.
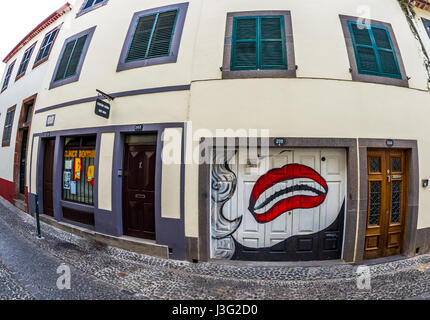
260 220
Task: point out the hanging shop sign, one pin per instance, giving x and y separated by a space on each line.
102 109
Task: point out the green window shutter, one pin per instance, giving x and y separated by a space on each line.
374 50
142 35
76 57
65 60
71 57
258 43
245 44
153 36
272 44
8 126
163 34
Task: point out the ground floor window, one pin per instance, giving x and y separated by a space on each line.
78 169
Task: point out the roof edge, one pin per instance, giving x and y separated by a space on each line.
38 29
422 4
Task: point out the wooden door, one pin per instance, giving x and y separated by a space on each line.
387 198
139 191
48 175
22 163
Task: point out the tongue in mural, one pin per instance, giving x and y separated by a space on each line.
274 193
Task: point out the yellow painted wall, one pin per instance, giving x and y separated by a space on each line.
105 171
171 174
321 102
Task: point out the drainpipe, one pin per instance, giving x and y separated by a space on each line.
421 36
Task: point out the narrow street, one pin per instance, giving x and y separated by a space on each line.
28 270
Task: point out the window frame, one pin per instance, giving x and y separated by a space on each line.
289 72
83 11
12 67
89 32
38 63
19 76
175 41
7 143
402 80
81 147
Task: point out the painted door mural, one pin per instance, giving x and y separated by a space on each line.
288 206
387 192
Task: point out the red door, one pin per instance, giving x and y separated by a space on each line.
48 165
139 191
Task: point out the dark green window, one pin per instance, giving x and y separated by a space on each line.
374 50
24 63
153 36
45 48
7 132
8 75
70 59
92 3
258 43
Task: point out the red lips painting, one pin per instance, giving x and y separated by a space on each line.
302 195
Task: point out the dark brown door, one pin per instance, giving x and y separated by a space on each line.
139 191
386 203
48 175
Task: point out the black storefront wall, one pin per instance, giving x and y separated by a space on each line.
169 232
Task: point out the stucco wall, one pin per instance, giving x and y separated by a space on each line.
322 101
27 86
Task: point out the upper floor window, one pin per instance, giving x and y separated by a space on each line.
72 57
8 75
24 63
259 44
89 5
153 37
46 47
426 24
7 131
373 52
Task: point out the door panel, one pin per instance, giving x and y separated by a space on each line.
23 158
315 233
387 190
139 191
48 165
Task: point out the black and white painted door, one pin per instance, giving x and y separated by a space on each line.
287 206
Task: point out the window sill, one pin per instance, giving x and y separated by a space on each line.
36 64
242 74
379 79
77 206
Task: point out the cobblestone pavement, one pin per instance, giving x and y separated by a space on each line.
28 271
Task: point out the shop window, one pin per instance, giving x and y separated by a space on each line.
46 47
153 37
24 63
90 5
71 59
259 44
78 169
8 75
7 131
373 52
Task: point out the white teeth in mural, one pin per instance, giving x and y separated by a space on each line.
287 189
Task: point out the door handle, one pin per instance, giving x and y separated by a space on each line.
388 179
